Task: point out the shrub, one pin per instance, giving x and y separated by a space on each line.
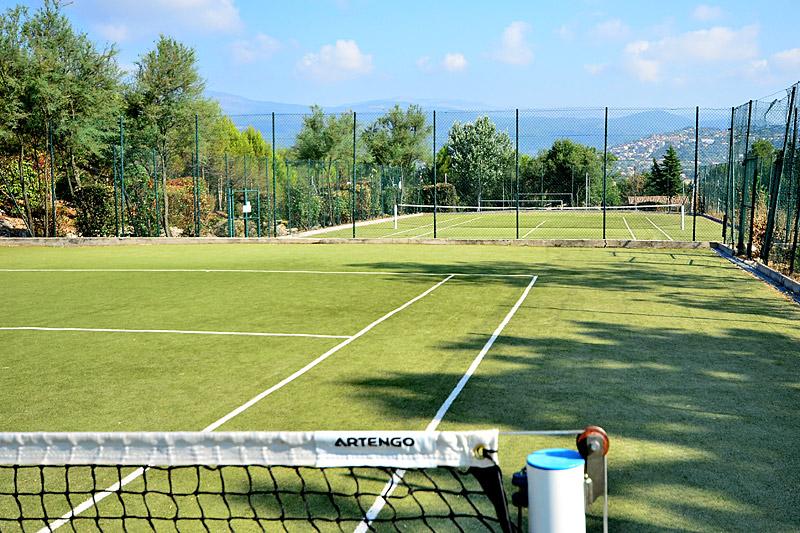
445 194
95 213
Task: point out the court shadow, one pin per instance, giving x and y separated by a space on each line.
700 437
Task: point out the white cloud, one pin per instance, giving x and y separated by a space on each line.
565 32
705 12
335 62
610 29
262 46
454 62
113 32
146 17
219 15
595 68
788 59
514 48
424 64
649 60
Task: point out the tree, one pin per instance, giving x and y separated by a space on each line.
399 138
165 96
480 157
54 84
665 177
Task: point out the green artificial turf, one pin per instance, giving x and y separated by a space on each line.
555 224
689 363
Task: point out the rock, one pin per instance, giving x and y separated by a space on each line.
282 231
12 227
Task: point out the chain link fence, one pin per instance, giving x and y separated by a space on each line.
681 174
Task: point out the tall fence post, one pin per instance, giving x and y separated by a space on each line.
116 195
274 184
155 190
196 176
52 177
267 197
605 169
793 252
726 218
435 200
123 201
353 194
775 184
740 236
516 166
696 169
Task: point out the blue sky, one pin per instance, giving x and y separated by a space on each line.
503 53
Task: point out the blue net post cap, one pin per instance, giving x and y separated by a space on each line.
556 459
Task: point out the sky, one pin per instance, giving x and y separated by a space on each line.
512 53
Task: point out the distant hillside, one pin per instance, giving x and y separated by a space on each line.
238 105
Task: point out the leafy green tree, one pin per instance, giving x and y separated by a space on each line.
325 138
480 158
166 94
255 140
399 138
54 83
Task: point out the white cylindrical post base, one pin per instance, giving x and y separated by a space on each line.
395 216
555 491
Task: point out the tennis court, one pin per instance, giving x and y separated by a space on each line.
349 337
651 223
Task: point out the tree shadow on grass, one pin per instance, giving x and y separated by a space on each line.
703 425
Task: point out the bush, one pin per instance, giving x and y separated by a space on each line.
445 194
181 205
95 213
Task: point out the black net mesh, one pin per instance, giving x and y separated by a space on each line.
249 498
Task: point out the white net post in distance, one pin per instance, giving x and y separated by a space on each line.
251 481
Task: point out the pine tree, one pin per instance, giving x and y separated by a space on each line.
671 168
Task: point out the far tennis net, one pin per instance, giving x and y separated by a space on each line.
666 216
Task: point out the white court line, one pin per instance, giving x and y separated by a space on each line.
629 228
239 410
658 228
537 227
174 331
440 228
258 271
390 486
406 230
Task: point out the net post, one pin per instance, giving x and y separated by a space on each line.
605 170
683 219
395 216
516 168
435 203
696 163
740 233
353 194
775 184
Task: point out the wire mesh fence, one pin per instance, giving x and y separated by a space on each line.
679 174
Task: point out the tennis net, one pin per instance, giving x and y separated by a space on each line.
667 216
290 481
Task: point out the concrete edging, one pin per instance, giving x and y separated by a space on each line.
771 275
563 243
